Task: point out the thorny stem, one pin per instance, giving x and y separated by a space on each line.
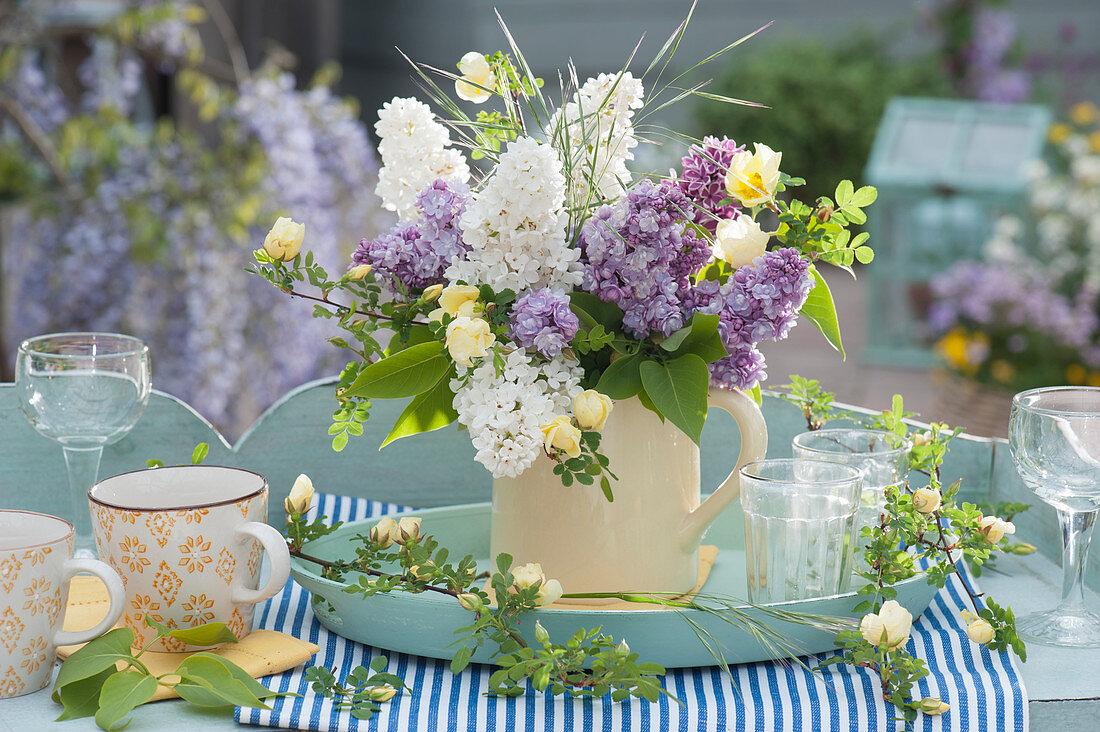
375 573
340 309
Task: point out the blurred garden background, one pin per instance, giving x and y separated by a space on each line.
146 147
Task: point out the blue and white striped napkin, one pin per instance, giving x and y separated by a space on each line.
984 689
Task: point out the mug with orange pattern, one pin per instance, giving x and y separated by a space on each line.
188 541
36 564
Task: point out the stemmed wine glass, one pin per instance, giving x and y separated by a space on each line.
1054 434
85 391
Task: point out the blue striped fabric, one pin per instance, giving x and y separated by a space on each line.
984 689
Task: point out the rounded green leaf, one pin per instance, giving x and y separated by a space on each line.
404 374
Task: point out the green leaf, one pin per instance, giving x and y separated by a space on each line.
404 374
678 389
648 404
703 340
200 453
754 392
210 634
226 680
121 693
844 192
426 412
865 255
820 310
865 196
677 337
622 379
605 486
592 310
417 334
461 659
81 698
102 653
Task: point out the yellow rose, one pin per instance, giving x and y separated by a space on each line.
476 73
301 496
933 706
468 338
752 177
978 629
560 434
591 408
358 272
284 240
927 499
995 528
739 241
456 300
892 620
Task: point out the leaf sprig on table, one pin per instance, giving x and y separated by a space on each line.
361 692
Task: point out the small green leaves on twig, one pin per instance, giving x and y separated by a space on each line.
361 692
198 456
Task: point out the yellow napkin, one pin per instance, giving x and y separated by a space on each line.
260 653
707 556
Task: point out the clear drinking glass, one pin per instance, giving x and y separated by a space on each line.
882 456
1054 434
85 391
798 526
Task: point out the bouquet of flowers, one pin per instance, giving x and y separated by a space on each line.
1029 315
528 286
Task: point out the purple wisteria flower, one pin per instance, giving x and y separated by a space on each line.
638 255
703 179
418 253
543 320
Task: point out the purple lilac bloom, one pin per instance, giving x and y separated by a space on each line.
638 255
991 41
740 370
544 321
703 179
418 253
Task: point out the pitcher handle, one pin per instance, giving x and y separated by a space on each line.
754 444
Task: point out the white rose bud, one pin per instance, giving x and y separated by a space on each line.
469 338
358 272
407 528
301 496
560 434
893 620
470 601
475 70
739 241
284 240
550 592
381 693
752 177
591 408
978 629
933 707
382 533
927 500
995 528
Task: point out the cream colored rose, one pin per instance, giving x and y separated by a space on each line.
893 620
752 177
358 272
284 240
933 707
527 575
468 338
407 528
432 293
560 434
382 533
470 601
739 241
591 408
550 592
927 499
455 301
978 629
381 693
301 496
995 528
476 72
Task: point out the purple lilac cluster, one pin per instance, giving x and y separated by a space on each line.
638 255
991 43
418 253
544 321
703 180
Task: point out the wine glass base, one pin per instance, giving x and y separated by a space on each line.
1078 629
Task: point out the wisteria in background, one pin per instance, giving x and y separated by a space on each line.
980 50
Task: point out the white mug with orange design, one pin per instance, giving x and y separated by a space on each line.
188 541
36 564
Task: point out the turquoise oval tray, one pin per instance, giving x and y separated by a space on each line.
424 624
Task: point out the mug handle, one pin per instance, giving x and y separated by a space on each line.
110 578
275 546
754 444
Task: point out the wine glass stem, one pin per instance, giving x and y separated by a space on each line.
83 465
1076 536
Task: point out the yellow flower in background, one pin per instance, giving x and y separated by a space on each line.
1094 142
476 72
1083 113
560 434
1093 379
963 351
1002 371
1058 133
285 239
753 177
1076 374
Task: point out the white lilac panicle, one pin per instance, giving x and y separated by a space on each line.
515 228
415 152
504 411
599 125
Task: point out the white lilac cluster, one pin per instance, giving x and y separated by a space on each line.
415 152
600 130
515 228
505 410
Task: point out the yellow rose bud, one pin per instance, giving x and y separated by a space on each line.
927 500
995 528
301 496
979 630
470 601
407 528
739 241
890 625
475 70
753 177
358 272
591 408
284 240
468 338
933 707
432 293
560 434
381 693
382 533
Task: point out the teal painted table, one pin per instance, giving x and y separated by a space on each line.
438 469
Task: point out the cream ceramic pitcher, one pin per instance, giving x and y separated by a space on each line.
647 539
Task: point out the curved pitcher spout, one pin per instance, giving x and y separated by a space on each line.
754 444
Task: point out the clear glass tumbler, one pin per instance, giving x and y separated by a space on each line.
799 516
